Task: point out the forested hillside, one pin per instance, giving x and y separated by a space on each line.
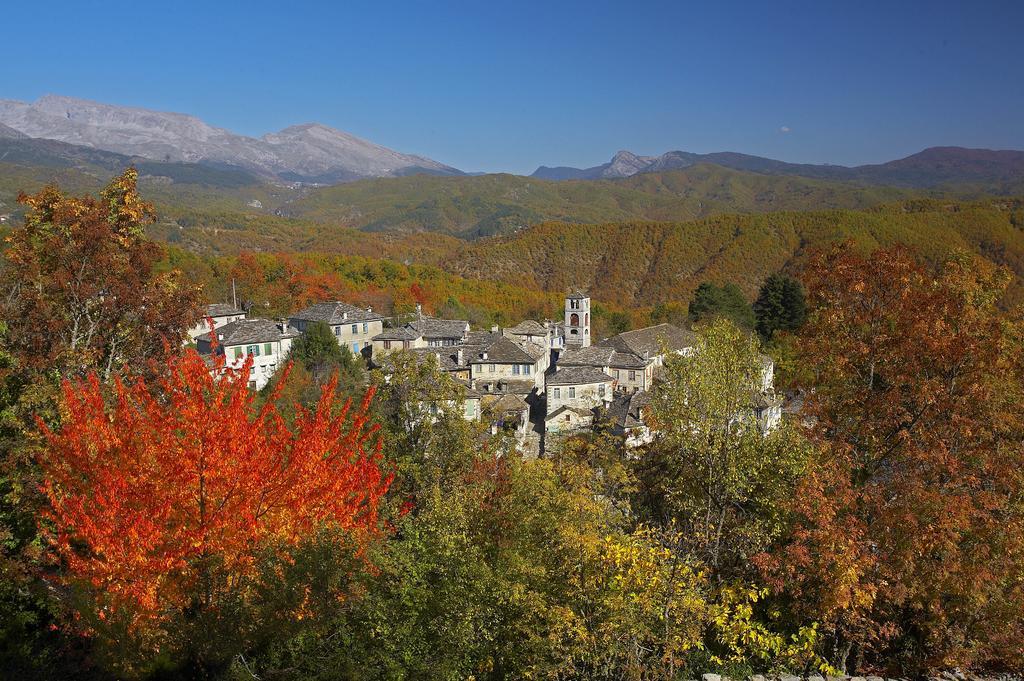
500 204
644 263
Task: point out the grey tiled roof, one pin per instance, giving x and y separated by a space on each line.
468 392
577 295
336 312
399 333
581 375
629 360
594 356
647 342
626 411
222 310
447 357
506 403
431 327
507 351
579 411
243 331
528 328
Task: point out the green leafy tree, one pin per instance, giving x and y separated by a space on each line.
780 306
711 301
670 312
712 470
317 358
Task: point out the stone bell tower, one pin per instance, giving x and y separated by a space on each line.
577 320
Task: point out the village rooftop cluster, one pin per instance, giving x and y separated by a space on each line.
537 380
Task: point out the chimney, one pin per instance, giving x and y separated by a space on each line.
369 308
220 336
283 325
495 328
459 357
419 310
483 355
344 315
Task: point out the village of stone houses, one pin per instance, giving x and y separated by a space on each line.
538 380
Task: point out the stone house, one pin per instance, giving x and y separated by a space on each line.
267 342
220 313
630 372
441 332
582 387
530 331
632 357
352 326
505 362
568 419
653 341
424 332
626 415
509 413
396 338
451 360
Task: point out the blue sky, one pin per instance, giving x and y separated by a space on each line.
497 86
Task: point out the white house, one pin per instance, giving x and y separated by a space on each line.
220 314
267 342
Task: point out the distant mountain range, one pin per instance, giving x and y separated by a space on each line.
305 153
999 171
316 154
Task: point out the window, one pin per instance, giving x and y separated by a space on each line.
237 352
253 350
337 331
366 328
526 369
355 347
268 349
572 392
252 385
490 368
387 345
574 319
632 375
556 393
600 390
515 369
355 329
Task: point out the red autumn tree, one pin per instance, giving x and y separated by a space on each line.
165 500
909 542
81 289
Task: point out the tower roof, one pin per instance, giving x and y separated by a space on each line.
577 295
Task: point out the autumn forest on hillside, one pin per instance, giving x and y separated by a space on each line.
160 520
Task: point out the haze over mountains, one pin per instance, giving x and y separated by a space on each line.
308 153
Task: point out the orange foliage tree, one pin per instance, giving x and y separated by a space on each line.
164 500
909 540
